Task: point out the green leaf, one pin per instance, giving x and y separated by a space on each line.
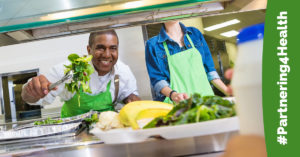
72 57
89 69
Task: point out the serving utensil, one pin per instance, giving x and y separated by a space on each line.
67 76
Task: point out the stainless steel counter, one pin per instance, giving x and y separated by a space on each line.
87 145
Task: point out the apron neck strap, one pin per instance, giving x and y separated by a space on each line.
166 46
166 49
190 40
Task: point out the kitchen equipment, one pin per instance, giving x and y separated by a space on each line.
247 80
67 76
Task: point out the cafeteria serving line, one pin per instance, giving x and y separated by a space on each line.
197 126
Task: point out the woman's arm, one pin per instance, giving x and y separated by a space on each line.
218 83
157 78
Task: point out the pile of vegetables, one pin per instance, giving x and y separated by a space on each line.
48 121
195 109
81 74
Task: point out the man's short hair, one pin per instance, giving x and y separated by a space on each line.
94 34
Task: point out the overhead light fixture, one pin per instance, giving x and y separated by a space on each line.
133 4
221 25
20 35
229 34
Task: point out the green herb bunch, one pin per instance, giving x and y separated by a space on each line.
81 74
195 109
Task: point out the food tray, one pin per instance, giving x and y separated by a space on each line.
39 131
127 135
67 120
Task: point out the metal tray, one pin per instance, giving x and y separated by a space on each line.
127 135
68 120
39 131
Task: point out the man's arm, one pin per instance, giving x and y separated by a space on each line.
131 98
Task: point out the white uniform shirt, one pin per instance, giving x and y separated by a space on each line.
127 83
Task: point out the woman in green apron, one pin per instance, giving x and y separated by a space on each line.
104 82
179 64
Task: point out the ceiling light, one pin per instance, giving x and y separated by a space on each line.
133 4
20 35
221 25
230 33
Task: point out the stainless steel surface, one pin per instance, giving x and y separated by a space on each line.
217 154
88 146
45 143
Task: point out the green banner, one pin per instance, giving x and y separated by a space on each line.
281 60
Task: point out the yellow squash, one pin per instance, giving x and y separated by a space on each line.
137 110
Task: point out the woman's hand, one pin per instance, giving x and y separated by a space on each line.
228 75
177 97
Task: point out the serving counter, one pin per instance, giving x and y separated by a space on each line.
88 145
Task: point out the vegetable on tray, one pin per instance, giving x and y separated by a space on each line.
195 109
48 121
89 120
93 119
81 74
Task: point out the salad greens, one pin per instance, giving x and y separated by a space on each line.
195 109
81 74
48 121
93 119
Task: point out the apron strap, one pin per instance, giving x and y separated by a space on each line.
166 46
166 49
190 40
116 81
108 86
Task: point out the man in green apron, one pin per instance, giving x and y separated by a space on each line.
112 81
179 63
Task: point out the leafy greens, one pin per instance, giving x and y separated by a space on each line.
81 74
48 121
195 109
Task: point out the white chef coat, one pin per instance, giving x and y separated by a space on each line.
127 83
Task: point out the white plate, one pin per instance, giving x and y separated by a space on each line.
127 135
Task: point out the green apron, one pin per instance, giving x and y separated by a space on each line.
187 73
99 102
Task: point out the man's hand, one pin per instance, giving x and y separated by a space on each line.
131 98
36 89
177 97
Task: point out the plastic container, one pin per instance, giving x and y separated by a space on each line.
247 80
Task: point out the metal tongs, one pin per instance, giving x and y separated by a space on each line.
67 76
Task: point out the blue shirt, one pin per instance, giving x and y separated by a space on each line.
157 63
